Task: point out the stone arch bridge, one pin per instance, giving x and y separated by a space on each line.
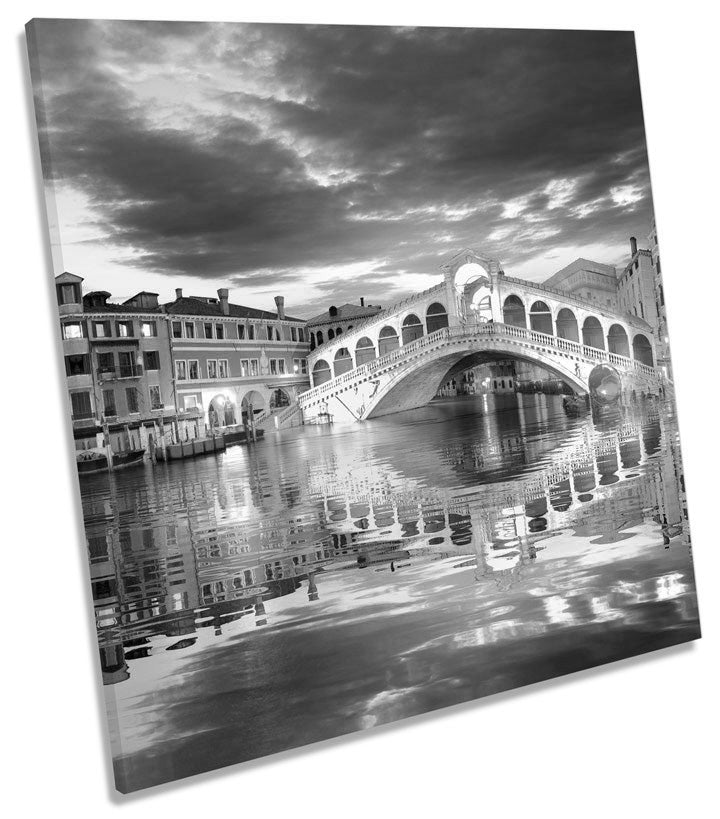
397 359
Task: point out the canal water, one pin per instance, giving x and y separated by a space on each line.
331 579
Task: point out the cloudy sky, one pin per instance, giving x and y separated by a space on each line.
329 163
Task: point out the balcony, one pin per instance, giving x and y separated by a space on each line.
124 371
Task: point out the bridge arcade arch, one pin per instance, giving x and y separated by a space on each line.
541 318
514 311
642 350
618 341
343 362
592 333
364 351
567 326
412 328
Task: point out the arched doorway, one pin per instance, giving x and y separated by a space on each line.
343 361
321 372
412 328
618 341
642 350
567 326
364 351
252 403
436 317
592 333
221 412
541 318
387 341
279 399
514 312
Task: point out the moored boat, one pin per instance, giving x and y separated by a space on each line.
89 463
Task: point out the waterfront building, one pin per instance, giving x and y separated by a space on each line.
231 361
636 286
662 327
337 320
587 280
117 364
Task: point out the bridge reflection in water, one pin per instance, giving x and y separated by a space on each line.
333 579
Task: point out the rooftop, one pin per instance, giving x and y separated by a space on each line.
190 306
345 312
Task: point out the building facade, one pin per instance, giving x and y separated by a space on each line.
232 361
587 280
118 365
140 372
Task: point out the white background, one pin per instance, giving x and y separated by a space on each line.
635 739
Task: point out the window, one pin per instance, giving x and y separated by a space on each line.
125 329
253 366
281 366
219 331
109 402
177 329
106 362
73 330
300 365
101 329
181 370
224 370
189 329
241 331
269 330
131 396
293 333
193 369
273 366
207 330
148 329
251 332
152 360
301 333
212 368
190 402
248 576
278 334
77 364
155 398
244 367
67 294
80 405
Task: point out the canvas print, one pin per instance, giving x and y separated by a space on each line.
367 370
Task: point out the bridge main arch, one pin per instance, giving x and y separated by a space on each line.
417 383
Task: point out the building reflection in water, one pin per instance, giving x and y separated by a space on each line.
197 546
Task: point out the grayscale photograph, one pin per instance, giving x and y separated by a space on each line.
368 372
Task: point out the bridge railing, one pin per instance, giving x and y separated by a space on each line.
471 331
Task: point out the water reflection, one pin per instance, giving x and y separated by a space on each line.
333 579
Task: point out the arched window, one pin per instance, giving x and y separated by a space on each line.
592 333
642 350
541 318
412 328
321 372
312 341
567 326
514 312
618 341
343 361
387 341
436 317
319 337
338 332
331 334
364 351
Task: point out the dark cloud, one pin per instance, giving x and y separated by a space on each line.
391 147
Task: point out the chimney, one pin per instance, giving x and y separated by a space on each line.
633 246
178 292
280 305
362 301
224 303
